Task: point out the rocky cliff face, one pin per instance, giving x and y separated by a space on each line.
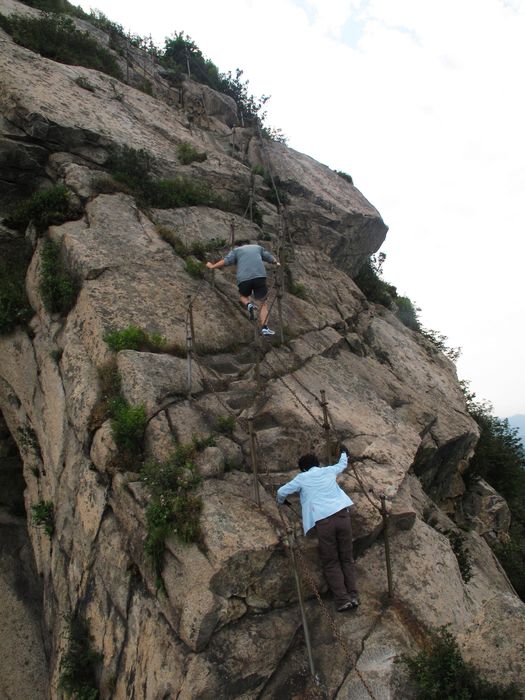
228 623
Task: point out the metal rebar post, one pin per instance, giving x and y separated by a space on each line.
232 233
384 515
190 314
189 352
326 426
278 283
252 187
257 342
301 605
253 452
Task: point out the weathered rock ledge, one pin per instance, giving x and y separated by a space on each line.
228 624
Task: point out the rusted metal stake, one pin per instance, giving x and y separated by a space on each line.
301 605
232 233
326 426
384 515
257 337
190 314
189 352
278 282
253 452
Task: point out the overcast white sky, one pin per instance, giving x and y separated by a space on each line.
423 103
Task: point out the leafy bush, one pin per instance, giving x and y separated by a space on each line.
440 342
511 555
56 37
194 267
43 515
407 313
499 458
110 387
129 165
439 672
201 443
132 168
179 192
188 154
134 338
58 287
225 425
14 305
174 508
51 206
77 666
459 547
170 236
48 5
259 170
370 282
128 424
345 176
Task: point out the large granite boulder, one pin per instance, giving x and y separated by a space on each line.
222 618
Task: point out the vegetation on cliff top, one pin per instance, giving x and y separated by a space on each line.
55 36
500 460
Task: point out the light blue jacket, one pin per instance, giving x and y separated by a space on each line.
319 492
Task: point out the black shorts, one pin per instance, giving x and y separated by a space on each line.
257 287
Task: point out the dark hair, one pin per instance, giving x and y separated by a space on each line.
307 461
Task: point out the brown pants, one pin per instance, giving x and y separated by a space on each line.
335 551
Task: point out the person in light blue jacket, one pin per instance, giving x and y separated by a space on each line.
326 507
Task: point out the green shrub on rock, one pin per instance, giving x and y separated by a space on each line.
45 208
56 37
128 423
132 168
58 286
439 672
174 508
77 666
14 305
194 267
135 338
43 515
188 154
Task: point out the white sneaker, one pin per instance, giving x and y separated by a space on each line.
251 311
267 331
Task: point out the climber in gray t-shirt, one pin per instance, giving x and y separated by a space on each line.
251 278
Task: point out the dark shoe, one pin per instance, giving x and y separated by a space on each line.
354 601
345 606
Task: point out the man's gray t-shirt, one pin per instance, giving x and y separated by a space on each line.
249 261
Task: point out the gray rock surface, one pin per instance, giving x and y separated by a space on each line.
228 623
